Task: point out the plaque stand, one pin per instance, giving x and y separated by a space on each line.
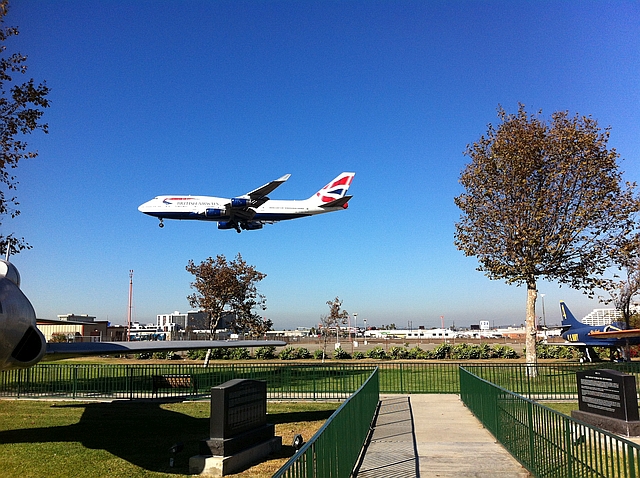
239 432
217 465
613 425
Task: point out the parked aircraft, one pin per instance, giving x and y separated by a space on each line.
252 210
22 345
585 337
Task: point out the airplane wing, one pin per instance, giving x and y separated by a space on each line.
64 350
259 195
615 334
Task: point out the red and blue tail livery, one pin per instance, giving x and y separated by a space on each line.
252 210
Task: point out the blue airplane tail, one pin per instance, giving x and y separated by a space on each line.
567 317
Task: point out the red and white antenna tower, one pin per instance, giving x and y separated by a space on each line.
130 305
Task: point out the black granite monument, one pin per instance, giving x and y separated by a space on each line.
239 432
238 418
608 399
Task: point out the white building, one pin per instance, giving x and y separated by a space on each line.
411 334
180 321
601 317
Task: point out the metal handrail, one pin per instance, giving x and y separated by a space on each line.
334 450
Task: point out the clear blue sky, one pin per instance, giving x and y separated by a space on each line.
219 97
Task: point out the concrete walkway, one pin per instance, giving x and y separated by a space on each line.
433 435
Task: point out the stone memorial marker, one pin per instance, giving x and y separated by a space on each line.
608 399
239 432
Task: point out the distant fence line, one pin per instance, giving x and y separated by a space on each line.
555 381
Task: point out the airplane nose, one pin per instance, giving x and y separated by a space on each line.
144 207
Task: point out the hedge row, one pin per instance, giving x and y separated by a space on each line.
443 351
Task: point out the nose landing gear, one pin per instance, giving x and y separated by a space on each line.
161 223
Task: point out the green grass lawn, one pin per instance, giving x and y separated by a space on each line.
563 407
124 438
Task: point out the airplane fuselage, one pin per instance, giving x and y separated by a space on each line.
209 208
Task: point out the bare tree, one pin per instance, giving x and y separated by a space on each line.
335 317
21 108
543 200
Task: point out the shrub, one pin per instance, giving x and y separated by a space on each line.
340 354
398 353
240 353
266 353
58 338
358 355
442 351
317 354
464 352
196 354
287 353
504 351
303 353
377 353
547 351
219 353
417 353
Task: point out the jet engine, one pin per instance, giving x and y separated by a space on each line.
22 345
239 202
214 212
226 225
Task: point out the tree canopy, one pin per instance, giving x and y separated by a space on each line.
21 109
223 287
543 200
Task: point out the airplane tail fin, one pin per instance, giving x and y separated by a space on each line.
568 319
335 191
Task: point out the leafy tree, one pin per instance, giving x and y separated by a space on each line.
223 287
543 200
21 108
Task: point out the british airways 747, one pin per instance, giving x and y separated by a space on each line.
252 210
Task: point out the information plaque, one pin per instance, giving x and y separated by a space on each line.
608 393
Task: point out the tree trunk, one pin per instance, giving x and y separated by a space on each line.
531 330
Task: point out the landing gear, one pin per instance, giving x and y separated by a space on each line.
161 225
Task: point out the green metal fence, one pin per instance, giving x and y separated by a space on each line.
547 443
93 381
290 381
334 450
548 382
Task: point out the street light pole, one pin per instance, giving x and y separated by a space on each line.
364 334
355 333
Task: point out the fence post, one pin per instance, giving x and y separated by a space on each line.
532 439
568 447
75 382
401 379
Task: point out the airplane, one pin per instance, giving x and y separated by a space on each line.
585 337
253 210
22 345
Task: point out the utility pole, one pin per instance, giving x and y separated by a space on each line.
130 305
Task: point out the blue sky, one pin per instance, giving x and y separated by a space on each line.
220 97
